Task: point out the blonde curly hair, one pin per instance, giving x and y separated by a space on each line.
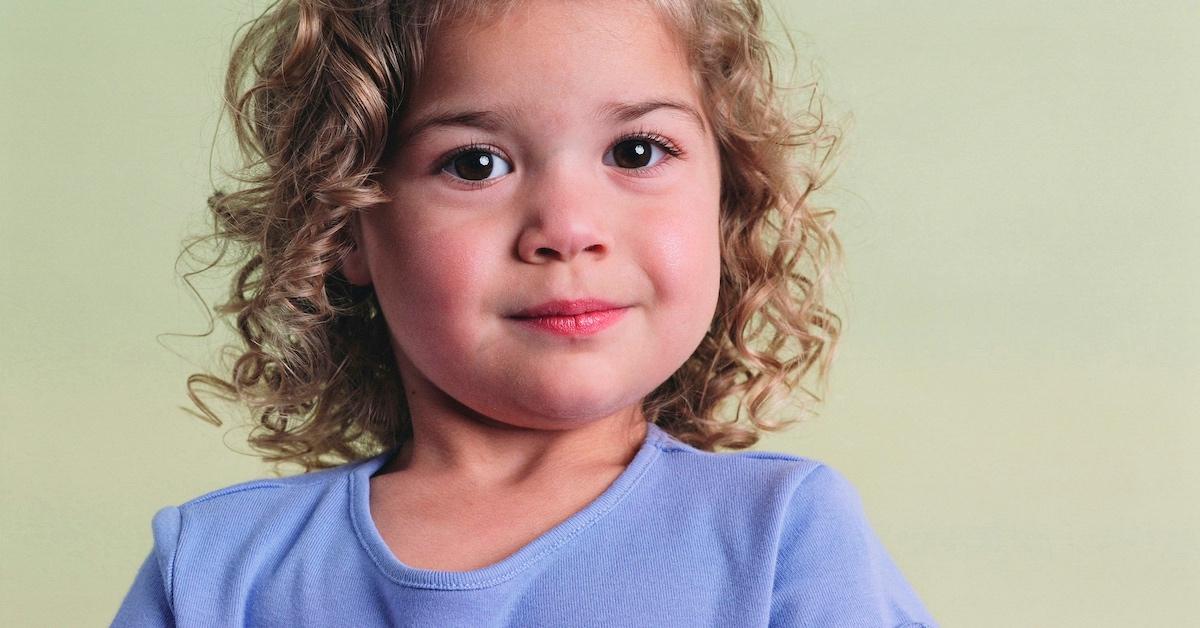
313 89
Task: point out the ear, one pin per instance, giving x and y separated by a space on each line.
354 265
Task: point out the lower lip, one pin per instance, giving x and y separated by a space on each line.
578 325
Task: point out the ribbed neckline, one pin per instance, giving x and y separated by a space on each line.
492 575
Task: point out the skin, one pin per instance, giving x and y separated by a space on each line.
509 421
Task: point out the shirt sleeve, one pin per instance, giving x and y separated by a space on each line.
832 570
148 602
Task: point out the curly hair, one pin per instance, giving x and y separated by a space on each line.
313 88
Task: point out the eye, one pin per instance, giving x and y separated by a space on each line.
635 153
476 164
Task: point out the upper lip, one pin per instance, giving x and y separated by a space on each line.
567 307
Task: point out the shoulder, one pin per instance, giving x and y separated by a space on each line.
247 503
780 496
212 551
771 475
810 511
249 520
829 567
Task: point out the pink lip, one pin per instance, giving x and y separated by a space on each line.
567 308
579 317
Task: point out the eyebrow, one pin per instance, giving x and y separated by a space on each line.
627 112
485 120
495 120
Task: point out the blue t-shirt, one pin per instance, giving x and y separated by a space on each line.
682 537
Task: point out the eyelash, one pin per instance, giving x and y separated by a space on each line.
672 149
654 136
461 150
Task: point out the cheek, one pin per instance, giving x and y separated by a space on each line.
685 245
687 253
428 277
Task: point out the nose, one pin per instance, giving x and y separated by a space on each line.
565 216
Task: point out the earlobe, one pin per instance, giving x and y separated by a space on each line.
354 264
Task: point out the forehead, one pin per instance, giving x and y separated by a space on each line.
556 59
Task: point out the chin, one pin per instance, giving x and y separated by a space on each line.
574 409
569 413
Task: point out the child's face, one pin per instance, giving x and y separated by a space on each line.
568 190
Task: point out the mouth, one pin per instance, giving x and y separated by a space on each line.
578 317
567 307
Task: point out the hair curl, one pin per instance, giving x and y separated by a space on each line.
313 87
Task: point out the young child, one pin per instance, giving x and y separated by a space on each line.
504 264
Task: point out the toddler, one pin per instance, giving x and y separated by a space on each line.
506 265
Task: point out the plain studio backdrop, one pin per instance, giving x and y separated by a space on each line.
1016 397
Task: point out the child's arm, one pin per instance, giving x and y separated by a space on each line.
148 602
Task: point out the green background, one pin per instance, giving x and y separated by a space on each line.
1016 397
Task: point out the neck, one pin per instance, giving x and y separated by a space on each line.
479 452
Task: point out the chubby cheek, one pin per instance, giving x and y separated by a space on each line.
686 272
430 282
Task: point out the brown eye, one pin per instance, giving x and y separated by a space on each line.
635 153
477 164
